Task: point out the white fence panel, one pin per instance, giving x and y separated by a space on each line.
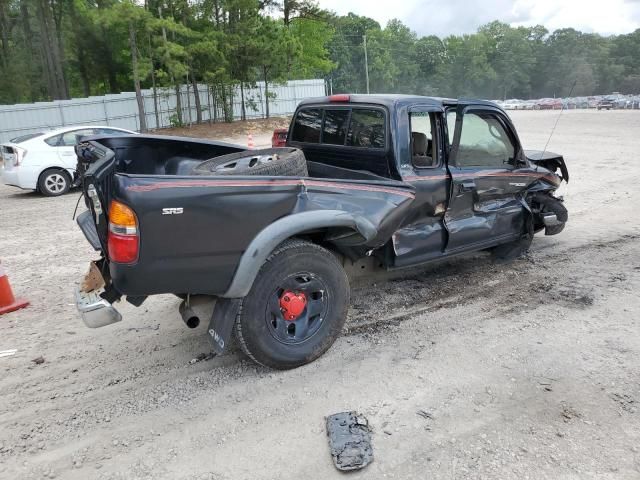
121 110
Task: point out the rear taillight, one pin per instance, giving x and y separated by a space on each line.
19 154
12 155
123 240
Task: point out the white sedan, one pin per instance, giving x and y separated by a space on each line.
46 161
513 104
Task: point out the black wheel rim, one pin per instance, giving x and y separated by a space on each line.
305 325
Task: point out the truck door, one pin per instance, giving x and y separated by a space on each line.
485 164
420 151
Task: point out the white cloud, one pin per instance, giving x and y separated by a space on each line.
445 17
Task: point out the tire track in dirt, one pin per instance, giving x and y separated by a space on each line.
399 296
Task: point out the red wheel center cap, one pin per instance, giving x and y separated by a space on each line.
292 305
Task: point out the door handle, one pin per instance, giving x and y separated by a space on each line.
68 154
466 186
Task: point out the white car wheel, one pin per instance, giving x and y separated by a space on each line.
53 183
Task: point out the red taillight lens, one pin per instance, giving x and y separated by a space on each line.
123 241
122 248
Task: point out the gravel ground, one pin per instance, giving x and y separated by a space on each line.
524 370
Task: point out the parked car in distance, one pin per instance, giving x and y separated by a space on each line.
513 104
279 138
549 104
606 103
582 102
620 102
46 161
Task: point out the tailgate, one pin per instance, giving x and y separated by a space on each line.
95 169
87 225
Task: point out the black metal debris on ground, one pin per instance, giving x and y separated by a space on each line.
349 440
203 357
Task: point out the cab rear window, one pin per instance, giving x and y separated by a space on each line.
307 126
335 126
351 127
366 129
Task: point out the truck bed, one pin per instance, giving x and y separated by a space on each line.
222 217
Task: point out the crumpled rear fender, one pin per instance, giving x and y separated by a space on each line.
371 225
549 161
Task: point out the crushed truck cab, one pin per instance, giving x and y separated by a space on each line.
396 180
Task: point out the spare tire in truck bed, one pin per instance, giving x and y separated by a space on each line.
274 162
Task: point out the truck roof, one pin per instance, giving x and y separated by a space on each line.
393 100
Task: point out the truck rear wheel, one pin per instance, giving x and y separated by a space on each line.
296 307
273 162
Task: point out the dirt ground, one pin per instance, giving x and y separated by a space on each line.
528 370
237 132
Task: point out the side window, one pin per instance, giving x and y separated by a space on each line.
53 141
334 130
69 139
484 142
366 129
422 146
307 126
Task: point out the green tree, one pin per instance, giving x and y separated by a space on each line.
63 48
511 57
430 53
243 23
132 23
313 38
466 70
347 51
275 43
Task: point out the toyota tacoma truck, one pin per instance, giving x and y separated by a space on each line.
363 182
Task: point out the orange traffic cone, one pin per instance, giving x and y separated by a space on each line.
8 303
250 144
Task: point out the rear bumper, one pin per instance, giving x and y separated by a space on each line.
95 311
11 177
21 177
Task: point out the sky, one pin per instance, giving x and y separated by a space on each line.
446 17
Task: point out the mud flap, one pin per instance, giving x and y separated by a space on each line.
222 320
349 440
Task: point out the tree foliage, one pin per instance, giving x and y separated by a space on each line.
56 49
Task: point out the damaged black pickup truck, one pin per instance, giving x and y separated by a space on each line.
364 182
